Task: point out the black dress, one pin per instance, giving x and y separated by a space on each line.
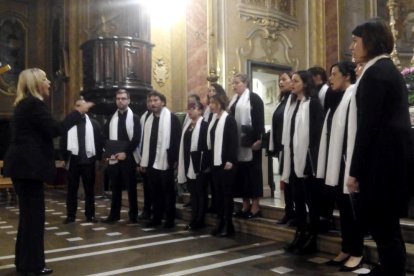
249 176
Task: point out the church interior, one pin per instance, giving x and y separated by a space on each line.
92 48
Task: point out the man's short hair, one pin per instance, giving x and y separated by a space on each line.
155 93
122 91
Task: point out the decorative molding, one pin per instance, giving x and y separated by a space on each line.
274 16
262 49
392 7
213 76
161 71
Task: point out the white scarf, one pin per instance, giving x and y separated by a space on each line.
207 113
329 163
271 144
322 94
218 137
181 177
243 117
129 124
352 120
186 119
320 171
163 140
300 140
73 143
138 149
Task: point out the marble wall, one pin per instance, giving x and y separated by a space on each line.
197 47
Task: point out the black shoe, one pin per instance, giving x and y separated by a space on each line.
298 241
309 247
43 271
132 221
91 219
144 215
250 215
241 214
153 223
219 228
376 271
69 220
284 220
292 223
110 220
192 226
228 231
168 225
188 204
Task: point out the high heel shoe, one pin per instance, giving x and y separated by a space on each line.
345 268
250 215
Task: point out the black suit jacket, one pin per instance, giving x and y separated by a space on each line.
97 133
382 157
31 153
257 115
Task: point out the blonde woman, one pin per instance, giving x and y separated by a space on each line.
30 162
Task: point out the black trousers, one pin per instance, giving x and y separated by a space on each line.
30 254
163 194
224 182
75 173
306 192
352 230
198 198
327 202
147 193
385 229
210 184
123 173
289 201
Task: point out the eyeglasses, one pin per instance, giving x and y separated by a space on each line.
122 99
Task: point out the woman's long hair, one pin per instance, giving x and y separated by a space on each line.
282 94
29 83
308 84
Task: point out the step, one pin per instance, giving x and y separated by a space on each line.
266 227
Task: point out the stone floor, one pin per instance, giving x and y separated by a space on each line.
98 249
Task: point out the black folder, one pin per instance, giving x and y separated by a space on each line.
113 147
